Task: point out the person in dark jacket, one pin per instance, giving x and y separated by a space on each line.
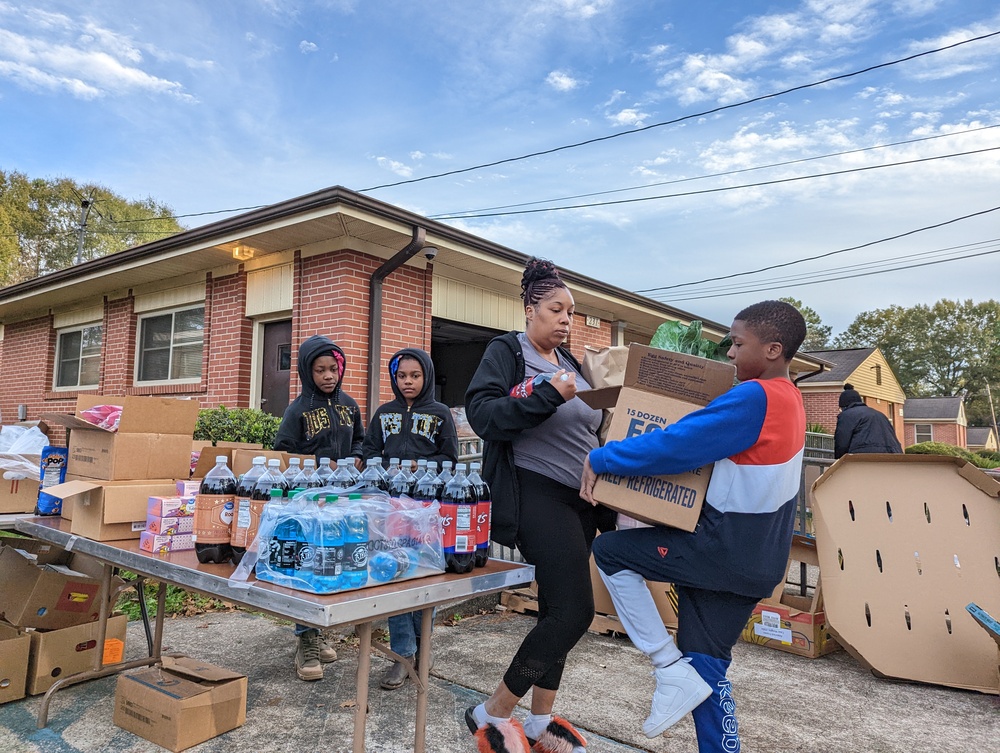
411 427
862 429
323 421
536 435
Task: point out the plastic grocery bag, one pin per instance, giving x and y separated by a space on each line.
312 543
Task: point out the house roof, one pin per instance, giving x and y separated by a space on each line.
932 408
845 362
978 435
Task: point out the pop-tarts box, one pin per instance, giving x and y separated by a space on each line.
659 388
169 526
171 507
157 544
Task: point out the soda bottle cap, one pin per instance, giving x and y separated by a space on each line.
374 461
273 463
221 459
355 495
259 460
324 461
460 467
331 498
293 461
393 461
276 494
446 464
309 463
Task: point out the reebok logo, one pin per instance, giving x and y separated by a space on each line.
662 550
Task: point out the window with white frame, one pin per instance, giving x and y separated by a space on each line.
923 433
170 345
78 357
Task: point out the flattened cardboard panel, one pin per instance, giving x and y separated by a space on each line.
15 647
905 543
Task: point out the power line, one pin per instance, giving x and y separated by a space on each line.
740 287
681 119
777 181
824 255
837 278
724 174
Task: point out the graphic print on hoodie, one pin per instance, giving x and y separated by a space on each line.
424 430
316 423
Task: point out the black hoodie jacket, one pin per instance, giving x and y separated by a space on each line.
424 430
327 426
862 429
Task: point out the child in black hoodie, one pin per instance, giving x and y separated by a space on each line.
412 426
323 421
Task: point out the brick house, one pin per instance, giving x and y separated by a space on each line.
936 419
981 438
217 313
864 368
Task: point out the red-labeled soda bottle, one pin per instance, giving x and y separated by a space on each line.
213 513
484 502
458 516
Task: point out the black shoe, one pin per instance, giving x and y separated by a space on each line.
470 719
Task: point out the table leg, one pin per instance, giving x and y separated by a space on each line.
423 667
364 631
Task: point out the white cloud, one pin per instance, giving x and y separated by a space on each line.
260 48
615 96
417 155
99 63
442 155
306 47
402 170
561 81
627 117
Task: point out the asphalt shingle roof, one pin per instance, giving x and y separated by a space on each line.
845 362
940 408
977 435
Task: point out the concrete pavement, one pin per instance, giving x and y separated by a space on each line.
785 703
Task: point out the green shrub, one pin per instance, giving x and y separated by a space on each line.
816 429
224 424
940 448
992 456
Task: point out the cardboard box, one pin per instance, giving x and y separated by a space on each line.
659 388
182 703
153 438
156 543
905 542
58 594
56 654
664 596
240 459
109 510
18 495
169 526
791 622
15 648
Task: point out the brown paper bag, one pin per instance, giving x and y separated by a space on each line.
604 367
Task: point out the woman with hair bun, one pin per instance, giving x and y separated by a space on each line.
536 436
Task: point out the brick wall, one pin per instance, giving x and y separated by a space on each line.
228 343
822 408
952 434
331 298
118 346
581 335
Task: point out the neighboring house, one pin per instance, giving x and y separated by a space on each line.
981 438
935 419
864 368
217 313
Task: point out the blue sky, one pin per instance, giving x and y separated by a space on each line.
231 103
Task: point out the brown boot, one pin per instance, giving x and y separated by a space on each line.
395 676
327 653
307 664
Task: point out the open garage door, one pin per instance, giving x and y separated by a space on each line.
456 350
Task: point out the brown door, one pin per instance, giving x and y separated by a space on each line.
277 366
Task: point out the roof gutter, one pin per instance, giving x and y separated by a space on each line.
800 377
412 248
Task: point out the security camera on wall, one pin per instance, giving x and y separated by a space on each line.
430 252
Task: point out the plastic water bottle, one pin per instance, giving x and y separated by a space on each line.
458 515
352 468
392 564
355 572
293 470
248 509
525 388
371 478
304 528
213 513
484 503
328 558
269 556
324 471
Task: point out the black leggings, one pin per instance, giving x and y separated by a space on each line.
555 531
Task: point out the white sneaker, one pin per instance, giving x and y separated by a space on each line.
679 690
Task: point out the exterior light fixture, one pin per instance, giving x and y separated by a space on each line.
242 252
